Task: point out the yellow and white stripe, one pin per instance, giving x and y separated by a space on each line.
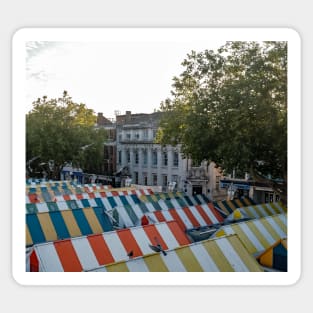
259 210
224 254
259 234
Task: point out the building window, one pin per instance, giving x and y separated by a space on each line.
154 158
145 157
145 178
271 197
175 159
136 157
119 157
128 136
155 131
128 156
164 180
154 179
137 136
136 177
175 178
145 133
164 158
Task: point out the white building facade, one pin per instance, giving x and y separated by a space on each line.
149 163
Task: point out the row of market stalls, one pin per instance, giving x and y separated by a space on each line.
139 230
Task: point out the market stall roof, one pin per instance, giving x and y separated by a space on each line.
228 206
44 194
275 257
259 234
225 254
257 211
87 252
54 225
188 217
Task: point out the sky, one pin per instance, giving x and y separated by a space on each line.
108 76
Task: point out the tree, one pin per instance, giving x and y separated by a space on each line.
60 130
230 107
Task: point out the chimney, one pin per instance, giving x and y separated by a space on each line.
100 118
128 116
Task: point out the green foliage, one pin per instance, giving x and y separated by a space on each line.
230 107
63 131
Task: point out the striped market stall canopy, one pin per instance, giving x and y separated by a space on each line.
258 235
257 211
64 187
88 252
175 200
187 217
225 254
275 257
46 195
228 206
103 202
151 212
125 203
55 225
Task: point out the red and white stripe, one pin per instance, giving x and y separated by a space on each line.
87 252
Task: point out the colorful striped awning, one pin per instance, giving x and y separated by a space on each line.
54 225
88 252
257 211
228 206
45 195
258 235
225 254
188 217
103 202
275 257
128 201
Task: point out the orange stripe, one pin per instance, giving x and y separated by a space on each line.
66 197
151 191
129 242
177 218
125 192
33 198
79 196
154 236
203 214
68 256
100 249
177 232
103 194
216 213
114 193
159 216
191 217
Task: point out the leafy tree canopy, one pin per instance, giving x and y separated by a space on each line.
60 130
230 107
